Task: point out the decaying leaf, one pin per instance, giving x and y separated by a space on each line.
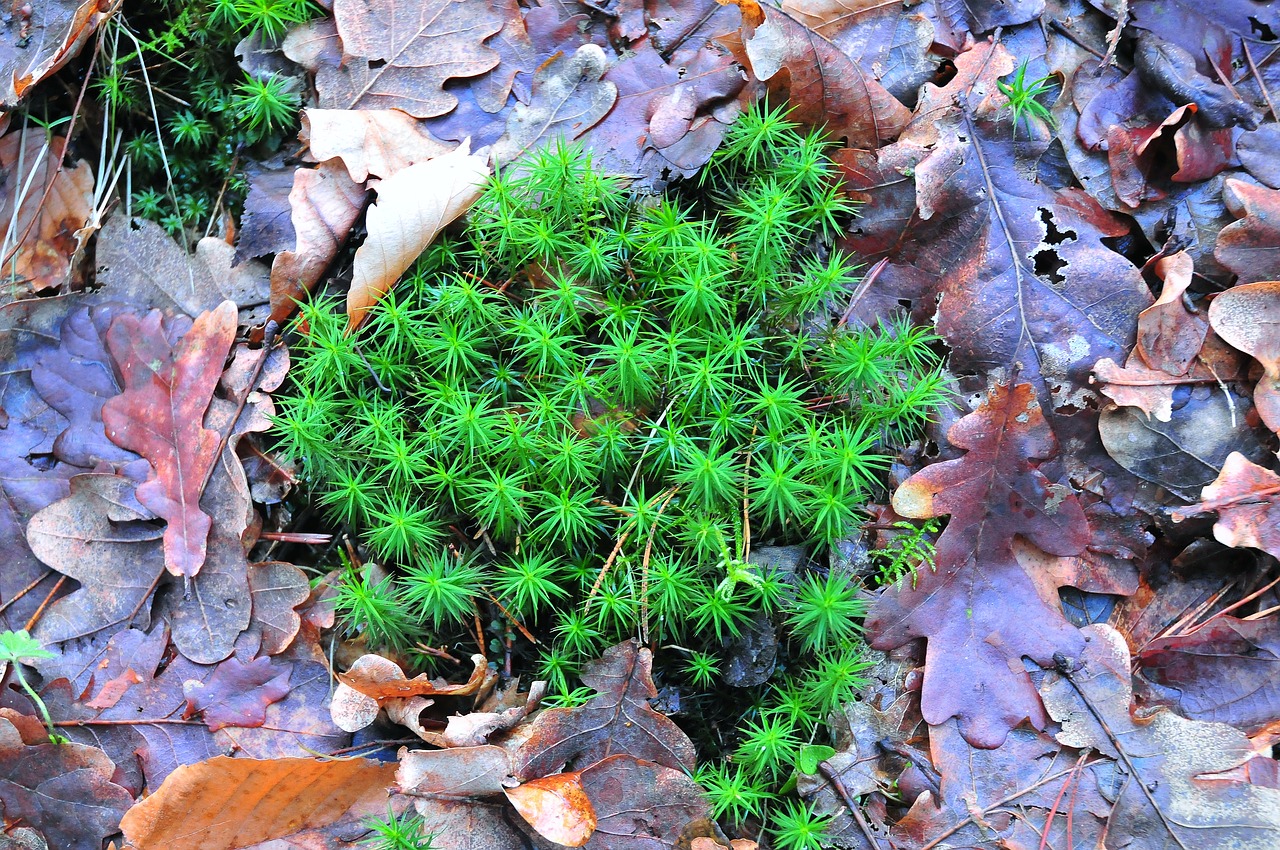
1227 671
160 415
413 206
1164 787
1251 246
230 804
556 807
980 609
569 98
370 142
374 682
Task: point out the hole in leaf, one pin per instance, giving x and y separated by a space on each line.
375 64
1052 235
1048 267
1264 31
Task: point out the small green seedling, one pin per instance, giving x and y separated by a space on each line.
1024 97
15 648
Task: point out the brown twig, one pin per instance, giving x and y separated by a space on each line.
644 568
854 809
21 593
31 624
1266 95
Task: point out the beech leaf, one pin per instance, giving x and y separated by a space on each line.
556 807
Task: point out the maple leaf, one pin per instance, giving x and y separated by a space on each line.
246 803
1170 796
980 609
160 415
618 719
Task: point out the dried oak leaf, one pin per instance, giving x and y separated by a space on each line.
398 55
266 226
1164 787
1227 671
981 610
63 791
1008 796
1250 247
373 682
640 805
826 87
1248 318
1246 498
46 226
234 804
160 415
618 719
237 693
413 206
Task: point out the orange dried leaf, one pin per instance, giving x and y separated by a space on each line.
557 807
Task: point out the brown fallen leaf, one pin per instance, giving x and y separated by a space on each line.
325 203
826 87
373 683
641 805
1250 247
230 804
160 415
55 32
399 55
980 609
556 807
1248 318
40 230
1246 498
413 206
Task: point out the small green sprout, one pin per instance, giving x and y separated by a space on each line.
1024 96
15 648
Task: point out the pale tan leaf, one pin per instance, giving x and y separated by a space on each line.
1248 318
370 142
569 98
413 206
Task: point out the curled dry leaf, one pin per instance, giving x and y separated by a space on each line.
45 226
370 142
413 206
556 807
374 682
1250 247
230 804
1246 497
1248 318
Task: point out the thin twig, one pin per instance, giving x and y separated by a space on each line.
854 809
1266 95
31 624
644 568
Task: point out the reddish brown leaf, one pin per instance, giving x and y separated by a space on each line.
1246 498
1248 318
618 719
160 415
1251 246
556 807
1227 671
824 85
980 609
60 29
237 694
381 685
63 791
229 804
325 202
